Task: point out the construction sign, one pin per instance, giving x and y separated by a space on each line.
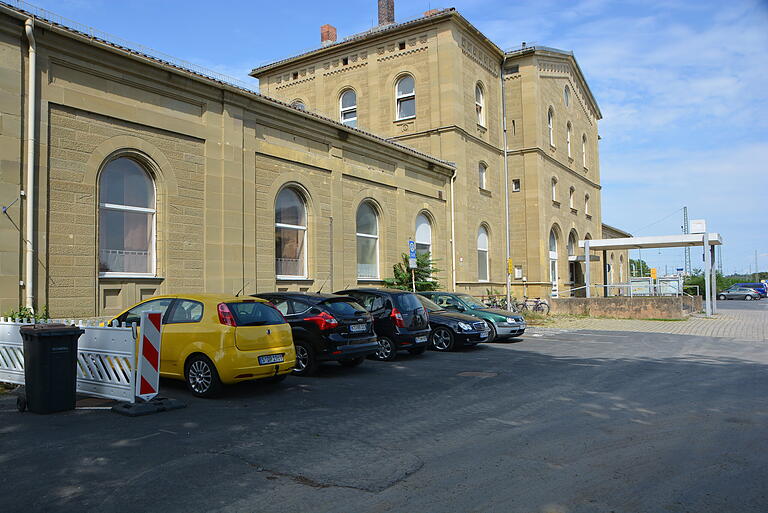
148 358
653 273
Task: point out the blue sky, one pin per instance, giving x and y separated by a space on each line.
683 87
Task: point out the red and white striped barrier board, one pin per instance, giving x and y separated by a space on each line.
148 359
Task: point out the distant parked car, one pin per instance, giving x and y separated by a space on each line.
452 330
399 319
735 292
502 324
326 327
759 287
213 339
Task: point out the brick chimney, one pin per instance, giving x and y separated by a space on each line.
431 12
386 12
327 34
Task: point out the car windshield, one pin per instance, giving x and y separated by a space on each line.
255 314
431 306
471 302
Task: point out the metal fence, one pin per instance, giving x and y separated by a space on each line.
106 357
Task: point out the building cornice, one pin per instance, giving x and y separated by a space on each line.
539 151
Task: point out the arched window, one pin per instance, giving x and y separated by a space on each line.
571 248
405 95
568 138
584 150
551 125
482 254
567 96
554 189
423 234
621 268
571 193
553 271
126 219
482 169
572 244
299 104
348 108
367 233
290 235
586 205
479 104
610 273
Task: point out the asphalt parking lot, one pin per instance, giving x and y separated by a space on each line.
563 422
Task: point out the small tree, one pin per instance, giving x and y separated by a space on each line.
424 274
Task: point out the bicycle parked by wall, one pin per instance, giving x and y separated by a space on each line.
536 305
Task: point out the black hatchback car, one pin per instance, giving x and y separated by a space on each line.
400 320
325 327
452 330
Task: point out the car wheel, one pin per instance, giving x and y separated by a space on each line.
492 334
306 361
387 350
442 339
747 298
418 350
352 362
201 376
721 297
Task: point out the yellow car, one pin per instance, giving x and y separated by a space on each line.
214 339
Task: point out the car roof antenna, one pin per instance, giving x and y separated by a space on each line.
323 285
241 290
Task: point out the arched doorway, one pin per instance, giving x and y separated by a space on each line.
553 274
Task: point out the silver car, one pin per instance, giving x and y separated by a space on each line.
739 293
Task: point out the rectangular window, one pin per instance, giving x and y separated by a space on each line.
367 264
126 241
482 265
289 252
401 45
406 108
516 185
518 272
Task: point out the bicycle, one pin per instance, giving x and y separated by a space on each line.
536 305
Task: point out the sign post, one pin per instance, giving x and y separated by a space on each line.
412 262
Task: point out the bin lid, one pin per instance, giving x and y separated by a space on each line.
50 330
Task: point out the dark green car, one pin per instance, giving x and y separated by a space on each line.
503 324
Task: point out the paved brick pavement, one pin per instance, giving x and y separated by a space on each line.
734 320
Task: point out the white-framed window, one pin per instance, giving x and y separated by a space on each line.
584 150
516 185
367 234
479 104
551 125
482 170
568 129
482 254
554 189
567 96
348 108
586 205
423 237
571 193
405 96
290 235
126 219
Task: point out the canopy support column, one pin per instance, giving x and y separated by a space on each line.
587 264
707 277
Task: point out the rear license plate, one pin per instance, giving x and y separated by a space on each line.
358 328
270 358
421 340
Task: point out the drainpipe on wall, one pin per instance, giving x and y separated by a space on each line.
29 238
506 185
453 236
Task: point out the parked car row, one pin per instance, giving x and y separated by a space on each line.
211 340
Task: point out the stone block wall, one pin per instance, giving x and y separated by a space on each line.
669 308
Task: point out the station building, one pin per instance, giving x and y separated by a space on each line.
124 175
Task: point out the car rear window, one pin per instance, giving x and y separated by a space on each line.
342 307
408 302
431 306
255 314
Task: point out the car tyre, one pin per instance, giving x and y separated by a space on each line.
418 350
352 362
492 333
201 376
442 339
306 360
721 297
747 298
387 350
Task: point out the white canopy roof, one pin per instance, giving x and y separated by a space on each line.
661 241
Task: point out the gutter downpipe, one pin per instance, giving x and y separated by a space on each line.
29 251
506 185
453 236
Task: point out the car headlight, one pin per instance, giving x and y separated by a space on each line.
511 320
464 326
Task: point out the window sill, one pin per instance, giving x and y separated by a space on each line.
370 280
129 276
570 159
482 128
574 211
485 192
399 120
586 169
589 216
555 204
552 147
294 278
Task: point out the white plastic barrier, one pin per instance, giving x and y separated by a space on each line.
106 358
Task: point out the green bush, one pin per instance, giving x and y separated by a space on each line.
24 312
424 274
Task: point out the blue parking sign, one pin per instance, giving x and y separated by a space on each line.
412 249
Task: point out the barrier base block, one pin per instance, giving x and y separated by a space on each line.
156 405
